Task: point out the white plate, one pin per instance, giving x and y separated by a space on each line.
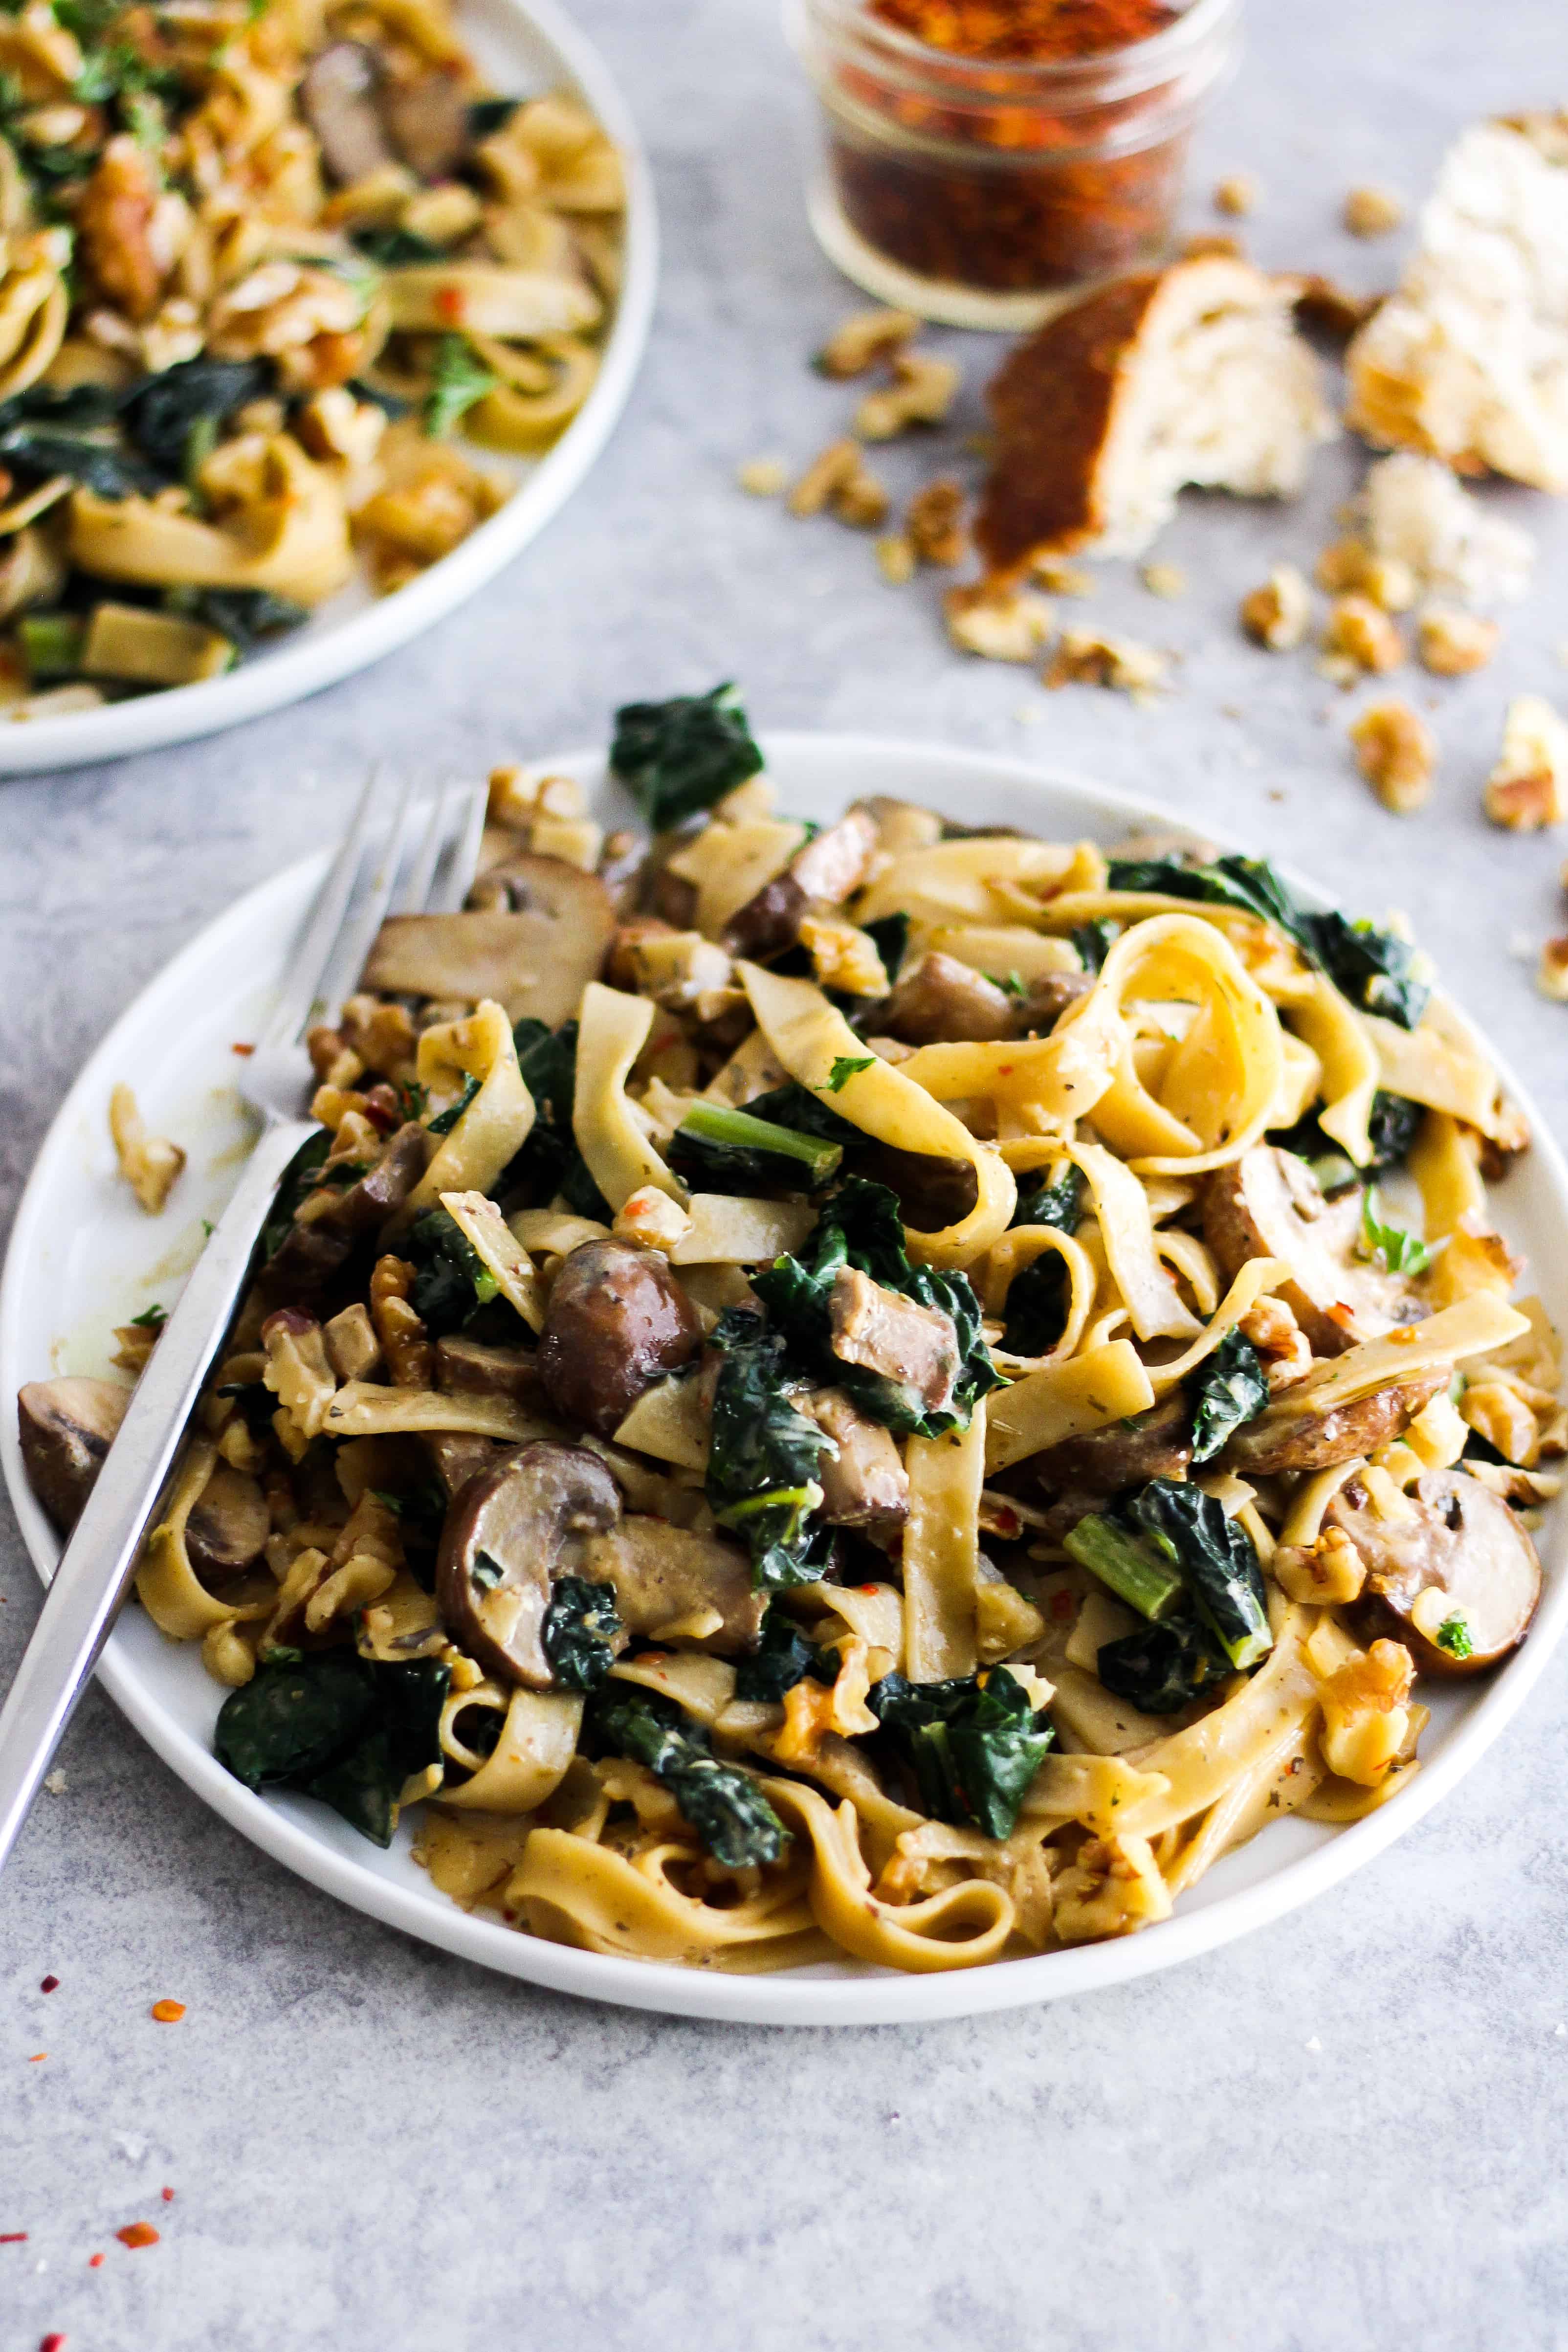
523 46
83 1257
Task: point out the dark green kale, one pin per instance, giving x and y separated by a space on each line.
1229 1387
763 1455
348 1730
298 1179
37 455
1249 883
720 1149
1095 940
458 379
795 1106
890 936
782 1657
1393 1124
488 115
396 248
860 1226
1060 1205
678 758
549 1161
579 1629
728 1811
445 1121
1215 1557
452 1281
1037 1306
1162 1668
975 1744
244 615
161 412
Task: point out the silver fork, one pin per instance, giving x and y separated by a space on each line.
397 856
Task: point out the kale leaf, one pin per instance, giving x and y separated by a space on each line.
1392 1126
1037 1307
1095 940
728 1811
783 1656
488 115
1217 1558
549 1161
679 757
579 1629
975 1744
161 411
452 1281
795 1106
445 1121
348 1730
458 379
244 615
860 1226
297 1180
37 453
763 1454
1060 1205
1162 1668
721 1149
396 248
1232 1388
889 934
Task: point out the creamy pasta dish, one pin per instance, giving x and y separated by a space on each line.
877 1389
260 261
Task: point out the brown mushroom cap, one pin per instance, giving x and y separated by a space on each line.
338 99
509 1533
1269 1203
534 957
662 1574
428 120
618 1320
67 1428
1458 1537
824 872
1291 1436
228 1526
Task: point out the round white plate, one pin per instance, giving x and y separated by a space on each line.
523 46
83 1257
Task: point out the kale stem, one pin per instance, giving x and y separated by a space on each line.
1127 1567
737 1130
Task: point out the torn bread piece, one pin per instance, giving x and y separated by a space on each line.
1191 374
1468 360
1412 512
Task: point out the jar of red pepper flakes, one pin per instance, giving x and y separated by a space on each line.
986 159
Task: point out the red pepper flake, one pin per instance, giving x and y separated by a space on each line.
95 2262
869 1588
168 2012
137 2233
52 2344
38 2057
50 1984
449 305
167 2195
1061 1605
242 1049
1005 1069
13 2237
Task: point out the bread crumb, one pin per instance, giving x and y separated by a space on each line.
1213 244
1397 752
1167 579
1278 614
1552 980
1010 625
1086 658
1389 582
1452 643
56 1783
1064 579
1325 308
1237 194
1339 566
1526 790
1361 632
862 339
1371 212
762 477
896 559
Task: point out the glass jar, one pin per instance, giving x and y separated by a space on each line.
985 192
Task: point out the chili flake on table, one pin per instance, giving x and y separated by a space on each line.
137 2233
168 2012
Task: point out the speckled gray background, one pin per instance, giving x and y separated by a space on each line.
1346 2131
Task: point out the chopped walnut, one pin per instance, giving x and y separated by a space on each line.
838 477
1085 658
1360 633
1237 194
149 1163
1397 752
762 477
1389 582
114 226
1366 1716
1340 566
935 523
1213 244
1450 642
923 391
1503 1419
1167 579
1278 614
1327 1573
1525 790
1551 972
1006 624
1282 1344
842 956
896 559
404 1342
333 424
863 339
1371 212
1112 1888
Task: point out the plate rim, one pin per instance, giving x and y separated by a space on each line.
293 673
873 1999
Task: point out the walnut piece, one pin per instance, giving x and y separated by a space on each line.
1167 579
863 337
1397 752
1525 790
1278 614
149 1163
1450 642
1551 972
762 477
1011 624
1361 632
922 393
838 478
1085 658
1237 195
934 524
1371 212
895 557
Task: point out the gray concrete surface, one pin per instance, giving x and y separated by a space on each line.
1346 2130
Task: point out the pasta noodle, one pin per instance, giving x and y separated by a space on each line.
783 1477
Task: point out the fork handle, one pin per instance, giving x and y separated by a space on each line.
96 1567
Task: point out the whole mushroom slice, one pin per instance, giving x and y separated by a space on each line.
1457 1540
1269 1203
942 1000
534 956
338 99
509 1534
1290 1436
831 866
618 1322
329 1222
682 1581
228 1526
428 120
67 1427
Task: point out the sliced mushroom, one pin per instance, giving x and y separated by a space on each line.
329 1223
1457 1539
932 1193
228 1526
67 1428
508 1535
879 1331
428 120
468 1368
1269 1203
1291 1436
824 873
456 1456
338 98
668 1579
618 1322
943 1000
865 1484
1049 998
1154 1445
535 959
